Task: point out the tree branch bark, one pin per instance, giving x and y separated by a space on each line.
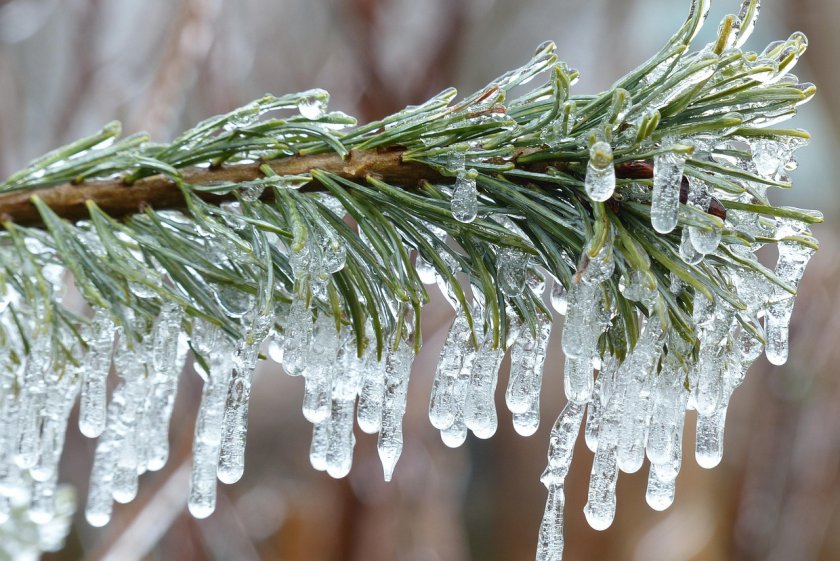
120 199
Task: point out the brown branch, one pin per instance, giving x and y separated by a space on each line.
119 199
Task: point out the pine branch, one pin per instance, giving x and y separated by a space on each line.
637 210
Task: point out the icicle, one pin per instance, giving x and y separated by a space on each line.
397 368
527 360
512 271
97 363
527 422
667 415
218 352
601 395
456 350
320 444
480 407
31 400
631 403
455 434
660 492
562 443
320 369
600 172
600 506
345 387
232 453
550 542
703 240
372 394
578 381
579 332
689 253
709 449
667 179
57 407
297 338
169 351
465 197
115 465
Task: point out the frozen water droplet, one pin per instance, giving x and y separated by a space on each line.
464 198
600 173
312 107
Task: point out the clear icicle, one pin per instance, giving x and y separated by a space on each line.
600 506
464 197
660 492
480 407
527 360
793 258
600 173
456 350
320 370
371 395
169 351
689 253
709 447
630 403
551 542
207 442
397 368
235 427
527 422
297 338
320 443
345 387
579 333
665 201
95 368
600 397
512 271
578 382
455 434
561 445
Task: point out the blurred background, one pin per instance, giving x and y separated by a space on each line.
69 66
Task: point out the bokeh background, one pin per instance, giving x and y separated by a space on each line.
69 66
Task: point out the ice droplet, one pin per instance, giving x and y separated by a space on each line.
464 198
312 107
600 173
